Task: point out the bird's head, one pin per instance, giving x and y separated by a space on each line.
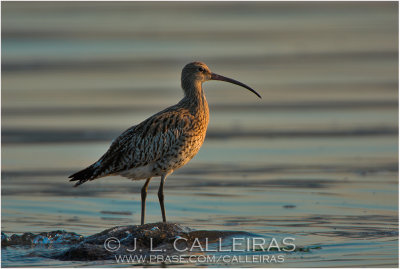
198 72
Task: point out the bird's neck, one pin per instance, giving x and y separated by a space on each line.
196 99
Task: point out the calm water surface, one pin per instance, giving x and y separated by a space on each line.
316 159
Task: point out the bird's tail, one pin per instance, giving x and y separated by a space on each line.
84 175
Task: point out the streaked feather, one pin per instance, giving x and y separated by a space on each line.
165 140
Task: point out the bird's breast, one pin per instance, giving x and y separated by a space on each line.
186 147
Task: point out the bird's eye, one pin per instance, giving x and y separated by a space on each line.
201 69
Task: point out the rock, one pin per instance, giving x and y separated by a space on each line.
153 238
43 239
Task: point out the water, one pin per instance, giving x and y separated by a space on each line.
316 159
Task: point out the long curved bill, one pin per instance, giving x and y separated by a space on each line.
222 78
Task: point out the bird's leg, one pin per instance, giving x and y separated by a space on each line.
144 195
161 197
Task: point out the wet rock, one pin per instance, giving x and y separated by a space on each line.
123 240
153 238
42 239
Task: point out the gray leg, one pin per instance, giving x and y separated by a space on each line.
161 197
144 195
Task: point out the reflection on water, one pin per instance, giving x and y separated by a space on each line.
315 159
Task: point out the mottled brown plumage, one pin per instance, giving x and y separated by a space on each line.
162 143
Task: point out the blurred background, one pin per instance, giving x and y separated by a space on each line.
316 158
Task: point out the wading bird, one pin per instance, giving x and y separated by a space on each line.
162 143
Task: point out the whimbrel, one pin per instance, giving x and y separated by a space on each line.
162 143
